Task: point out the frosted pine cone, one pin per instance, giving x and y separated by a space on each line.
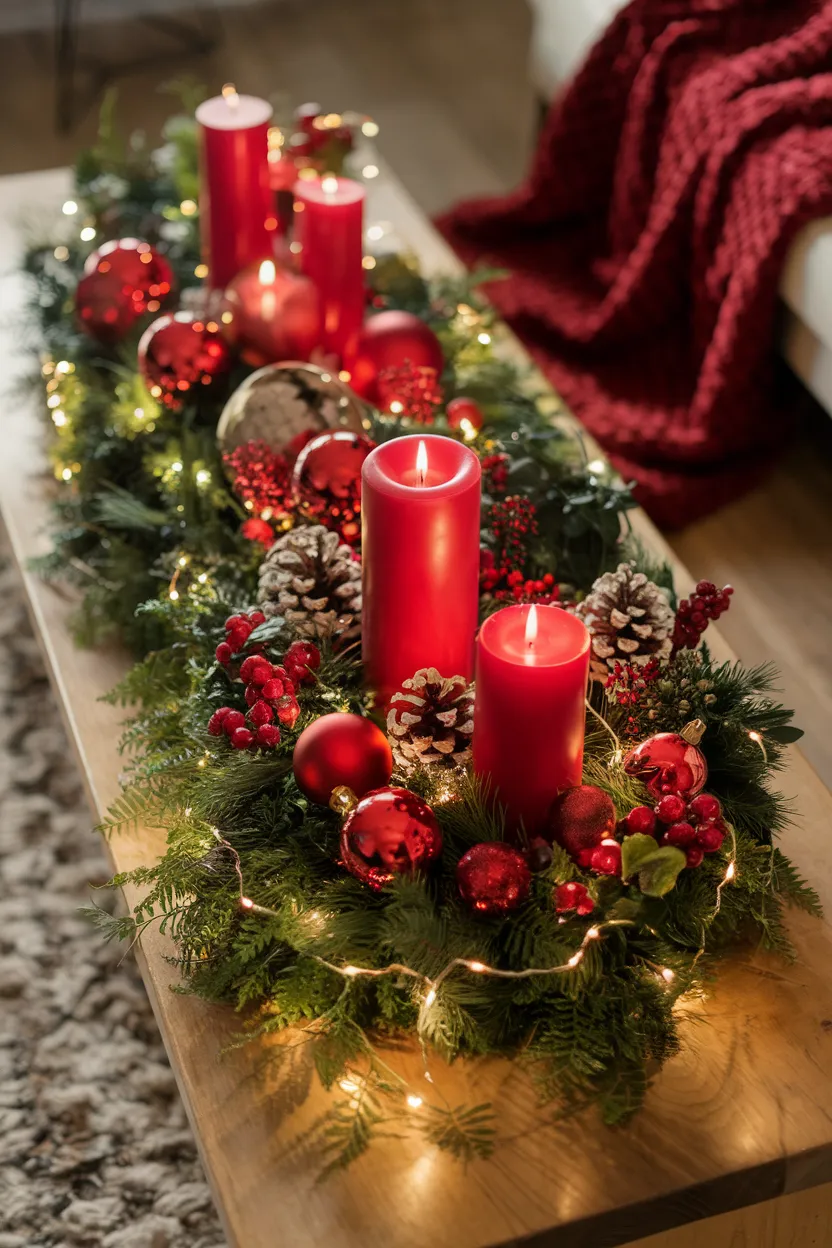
430 721
312 579
630 621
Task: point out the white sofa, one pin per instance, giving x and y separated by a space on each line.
563 32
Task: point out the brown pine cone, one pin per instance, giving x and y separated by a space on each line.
630 621
312 578
431 720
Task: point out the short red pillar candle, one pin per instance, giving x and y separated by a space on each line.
531 679
329 225
236 216
420 509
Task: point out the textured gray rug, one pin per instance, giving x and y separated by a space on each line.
95 1148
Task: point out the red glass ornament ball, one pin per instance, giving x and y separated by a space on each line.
493 878
102 310
329 466
580 818
389 340
390 832
341 748
667 763
275 314
464 409
142 274
179 353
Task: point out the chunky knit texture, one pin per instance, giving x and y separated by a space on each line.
645 248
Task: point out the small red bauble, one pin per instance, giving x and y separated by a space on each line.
573 896
640 819
580 818
102 310
389 340
142 274
326 480
178 354
341 749
671 808
459 410
390 832
667 763
275 314
493 878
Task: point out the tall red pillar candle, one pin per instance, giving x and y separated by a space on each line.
237 218
531 678
329 220
420 512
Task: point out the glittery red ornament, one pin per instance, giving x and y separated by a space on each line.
493 878
179 353
142 274
102 310
326 480
389 340
275 314
461 409
410 390
390 832
341 749
667 763
581 818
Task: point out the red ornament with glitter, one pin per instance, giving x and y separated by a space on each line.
261 477
275 314
667 763
326 480
341 749
580 819
390 832
411 391
389 340
179 354
141 274
493 878
102 310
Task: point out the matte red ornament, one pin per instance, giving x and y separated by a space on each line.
667 763
341 749
493 878
580 818
102 310
141 273
390 832
390 340
178 353
275 314
461 409
326 480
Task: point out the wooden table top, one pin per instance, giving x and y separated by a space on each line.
744 1113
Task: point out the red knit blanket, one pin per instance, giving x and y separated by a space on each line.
645 248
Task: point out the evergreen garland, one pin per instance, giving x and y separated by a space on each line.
142 504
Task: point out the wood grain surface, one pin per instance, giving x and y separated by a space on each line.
742 1115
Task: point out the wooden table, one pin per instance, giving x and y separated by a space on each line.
742 1115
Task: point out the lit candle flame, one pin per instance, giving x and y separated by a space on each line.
266 273
422 463
329 184
531 627
229 94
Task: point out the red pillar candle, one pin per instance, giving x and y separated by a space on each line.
420 509
237 219
329 219
531 678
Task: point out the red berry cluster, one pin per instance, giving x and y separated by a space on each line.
693 825
573 896
256 530
513 521
495 470
261 477
626 685
238 629
693 615
415 391
270 695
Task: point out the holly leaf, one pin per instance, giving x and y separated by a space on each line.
657 866
269 630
